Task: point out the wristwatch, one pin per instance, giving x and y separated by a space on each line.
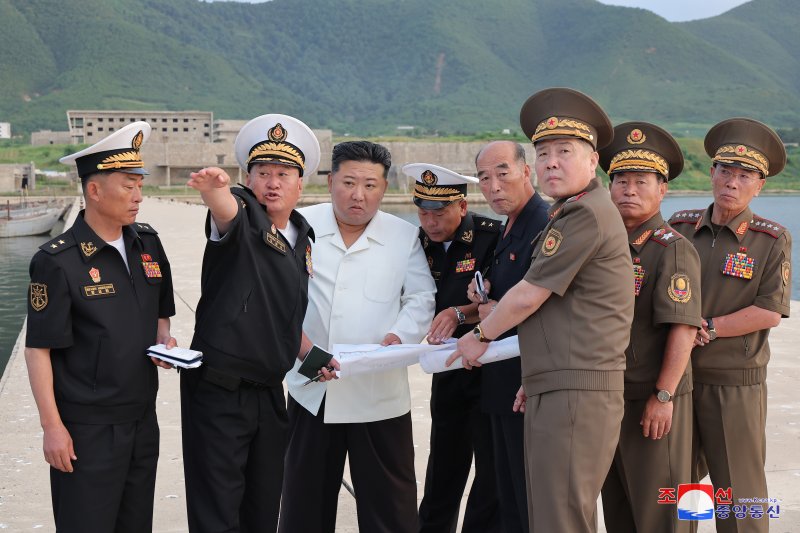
459 315
712 331
662 395
478 332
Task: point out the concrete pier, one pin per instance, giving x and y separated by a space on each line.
24 480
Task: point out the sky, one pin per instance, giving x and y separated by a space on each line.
680 10
672 10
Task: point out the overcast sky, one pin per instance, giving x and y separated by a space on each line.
677 10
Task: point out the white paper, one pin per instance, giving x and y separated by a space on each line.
433 362
369 358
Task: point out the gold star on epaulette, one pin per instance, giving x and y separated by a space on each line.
491 224
54 245
483 223
60 241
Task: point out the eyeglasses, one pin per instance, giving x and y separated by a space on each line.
742 177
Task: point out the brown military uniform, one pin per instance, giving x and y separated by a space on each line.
661 257
573 359
746 262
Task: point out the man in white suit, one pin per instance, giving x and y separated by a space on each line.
371 284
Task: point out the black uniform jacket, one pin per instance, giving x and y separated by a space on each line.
472 249
512 259
254 295
98 319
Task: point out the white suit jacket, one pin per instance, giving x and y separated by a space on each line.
381 284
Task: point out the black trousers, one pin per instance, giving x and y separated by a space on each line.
112 486
508 435
233 447
381 456
459 428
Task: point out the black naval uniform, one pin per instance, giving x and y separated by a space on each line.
248 326
502 380
458 426
98 318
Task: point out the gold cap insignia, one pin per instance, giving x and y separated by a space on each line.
679 289
551 242
277 133
748 158
38 293
563 126
136 143
429 178
636 137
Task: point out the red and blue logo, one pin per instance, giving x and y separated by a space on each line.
695 501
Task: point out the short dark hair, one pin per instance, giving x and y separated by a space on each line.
361 151
519 151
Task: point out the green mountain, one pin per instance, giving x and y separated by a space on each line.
367 66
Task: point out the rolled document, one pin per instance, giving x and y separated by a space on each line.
370 358
433 362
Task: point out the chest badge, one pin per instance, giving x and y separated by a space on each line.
151 268
638 277
739 265
94 273
679 288
273 241
309 264
38 296
465 265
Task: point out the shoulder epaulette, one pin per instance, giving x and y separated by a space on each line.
686 217
59 244
142 227
486 224
762 225
666 235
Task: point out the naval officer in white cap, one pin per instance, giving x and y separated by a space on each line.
457 244
254 286
100 295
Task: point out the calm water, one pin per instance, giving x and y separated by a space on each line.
15 254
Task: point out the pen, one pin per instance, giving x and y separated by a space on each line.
318 376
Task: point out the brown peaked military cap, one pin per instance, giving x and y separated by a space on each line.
746 143
559 112
642 147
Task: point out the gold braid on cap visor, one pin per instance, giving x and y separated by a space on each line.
748 157
130 159
277 150
639 160
437 193
563 126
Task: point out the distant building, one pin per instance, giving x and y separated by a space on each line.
5 130
45 137
89 126
226 130
12 174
